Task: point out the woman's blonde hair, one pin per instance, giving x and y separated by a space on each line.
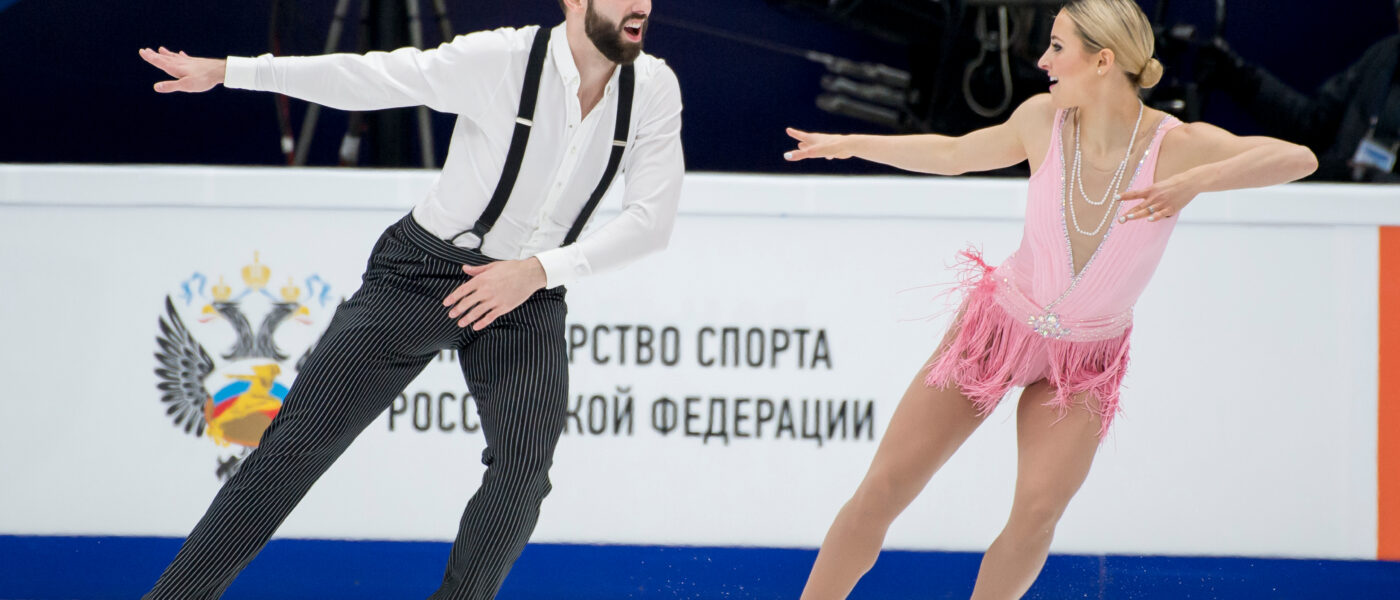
1120 26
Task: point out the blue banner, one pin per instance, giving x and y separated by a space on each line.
115 567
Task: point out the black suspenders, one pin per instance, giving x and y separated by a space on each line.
524 122
624 121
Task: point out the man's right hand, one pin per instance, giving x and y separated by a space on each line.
191 74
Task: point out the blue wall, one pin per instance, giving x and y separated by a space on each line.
75 91
93 568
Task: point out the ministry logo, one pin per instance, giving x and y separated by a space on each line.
231 399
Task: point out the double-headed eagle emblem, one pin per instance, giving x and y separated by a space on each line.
239 411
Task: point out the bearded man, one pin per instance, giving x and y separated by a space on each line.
546 119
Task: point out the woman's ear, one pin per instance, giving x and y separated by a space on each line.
1106 60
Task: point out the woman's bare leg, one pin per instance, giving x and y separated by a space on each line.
1053 459
927 427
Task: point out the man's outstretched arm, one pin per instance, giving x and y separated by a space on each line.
457 77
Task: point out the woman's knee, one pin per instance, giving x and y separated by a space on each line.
1036 516
881 497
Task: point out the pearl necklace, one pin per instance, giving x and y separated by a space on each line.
1111 191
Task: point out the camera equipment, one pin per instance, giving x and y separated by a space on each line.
972 61
403 17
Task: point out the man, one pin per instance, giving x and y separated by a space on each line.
1352 123
546 119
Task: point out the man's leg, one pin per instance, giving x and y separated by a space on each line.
375 345
517 371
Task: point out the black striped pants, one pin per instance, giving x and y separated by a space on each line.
377 343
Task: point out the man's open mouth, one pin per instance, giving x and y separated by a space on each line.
633 28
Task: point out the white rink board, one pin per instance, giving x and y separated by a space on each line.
1250 425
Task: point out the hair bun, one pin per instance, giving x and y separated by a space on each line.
1151 73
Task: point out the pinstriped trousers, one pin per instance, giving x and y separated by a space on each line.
376 344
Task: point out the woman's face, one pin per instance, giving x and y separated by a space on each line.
1073 70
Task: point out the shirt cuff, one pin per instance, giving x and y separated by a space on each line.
240 72
562 266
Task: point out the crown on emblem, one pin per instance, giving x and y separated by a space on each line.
255 275
290 292
222 292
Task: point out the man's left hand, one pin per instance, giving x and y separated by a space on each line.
493 290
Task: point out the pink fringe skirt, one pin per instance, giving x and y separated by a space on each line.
993 351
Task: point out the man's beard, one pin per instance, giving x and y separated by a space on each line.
608 38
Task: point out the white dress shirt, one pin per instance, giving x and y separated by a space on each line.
479 77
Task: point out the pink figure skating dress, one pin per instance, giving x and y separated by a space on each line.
1033 318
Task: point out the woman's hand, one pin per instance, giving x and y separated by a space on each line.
817 145
1196 158
1161 200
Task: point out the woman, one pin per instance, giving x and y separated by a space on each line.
1109 176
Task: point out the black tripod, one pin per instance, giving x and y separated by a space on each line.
370 10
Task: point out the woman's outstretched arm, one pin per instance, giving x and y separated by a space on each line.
986 149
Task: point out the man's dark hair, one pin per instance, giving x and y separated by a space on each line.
562 7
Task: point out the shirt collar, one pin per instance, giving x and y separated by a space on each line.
563 58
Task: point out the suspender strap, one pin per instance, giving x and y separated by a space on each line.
524 122
626 84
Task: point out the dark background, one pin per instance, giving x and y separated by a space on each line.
74 90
